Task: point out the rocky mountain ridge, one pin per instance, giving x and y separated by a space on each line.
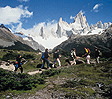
102 41
80 26
9 39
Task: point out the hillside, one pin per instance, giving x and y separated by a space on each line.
71 82
67 82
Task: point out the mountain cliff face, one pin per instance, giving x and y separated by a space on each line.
80 26
103 42
8 39
29 41
61 31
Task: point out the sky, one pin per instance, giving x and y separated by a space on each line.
27 14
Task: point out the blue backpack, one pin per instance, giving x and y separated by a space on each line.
42 56
16 64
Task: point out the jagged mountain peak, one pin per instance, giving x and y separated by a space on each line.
60 20
80 14
80 21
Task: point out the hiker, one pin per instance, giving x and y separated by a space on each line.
73 56
18 64
56 57
45 56
87 54
97 55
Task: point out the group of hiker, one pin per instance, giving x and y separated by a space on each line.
45 58
73 56
56 58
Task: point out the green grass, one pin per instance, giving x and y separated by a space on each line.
74 81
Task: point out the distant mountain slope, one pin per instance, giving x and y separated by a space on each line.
29 41
103 42
9 40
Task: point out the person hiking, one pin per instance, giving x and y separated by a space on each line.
87 54
73 56
56 57
45 56
18 64
97 55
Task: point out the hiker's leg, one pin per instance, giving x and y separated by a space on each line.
21 68
68 61
97 59
55 61
73 62
16 68
88 59
43 64
59 62
47 61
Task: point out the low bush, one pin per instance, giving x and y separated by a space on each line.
10 80
9 56
50 72
70 84
28 56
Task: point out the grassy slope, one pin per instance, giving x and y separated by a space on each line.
75 81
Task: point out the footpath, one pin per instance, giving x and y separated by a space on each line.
11 67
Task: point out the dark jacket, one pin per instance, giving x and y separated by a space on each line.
97 53
18 59
46 55
56 55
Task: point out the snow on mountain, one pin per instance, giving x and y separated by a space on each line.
51 42
80 22
62 27
80 26
30 41
52 34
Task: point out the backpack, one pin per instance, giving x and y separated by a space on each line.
16 64
43 56
87 50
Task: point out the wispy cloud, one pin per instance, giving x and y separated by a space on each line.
71 17
23 0
96 7
49 27
11 15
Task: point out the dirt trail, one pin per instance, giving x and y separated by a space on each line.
11 67
34 72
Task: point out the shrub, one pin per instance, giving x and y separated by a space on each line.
9 56
50 72
70 84
10 80
28 56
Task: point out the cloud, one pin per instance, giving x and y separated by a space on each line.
49 27
11 15
71 17
96 7
23 0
